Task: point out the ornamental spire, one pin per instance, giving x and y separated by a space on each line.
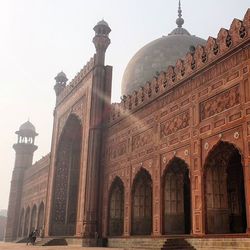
179 20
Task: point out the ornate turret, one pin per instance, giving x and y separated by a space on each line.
101 40
61 80
25 149
25 145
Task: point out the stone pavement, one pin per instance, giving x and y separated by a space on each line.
23 246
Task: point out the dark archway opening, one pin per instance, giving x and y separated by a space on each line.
21 224
26 222
33 218
40 223
176 198
224 191
66 182
142 204
116 208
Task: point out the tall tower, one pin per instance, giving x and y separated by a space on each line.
24 156
100 99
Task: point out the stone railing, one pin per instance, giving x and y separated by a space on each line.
76 80
202 56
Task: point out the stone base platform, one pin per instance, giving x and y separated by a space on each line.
205 243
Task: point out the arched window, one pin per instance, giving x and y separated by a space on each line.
40 222
21 223
224 190
26 222
116 208
142 204
176 198
33 218
66 184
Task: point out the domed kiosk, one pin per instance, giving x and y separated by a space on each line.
157 55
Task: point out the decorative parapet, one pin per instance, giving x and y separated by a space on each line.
38 166
77 80
202 56
44 161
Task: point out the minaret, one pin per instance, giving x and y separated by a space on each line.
100 99
25 149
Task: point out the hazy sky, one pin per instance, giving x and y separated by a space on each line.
39 38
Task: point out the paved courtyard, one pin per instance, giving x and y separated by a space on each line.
22 246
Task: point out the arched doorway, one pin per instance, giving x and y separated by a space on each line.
33 218
116 208
142 204
224 190
21 223
40 221
26 222
176 198
66 182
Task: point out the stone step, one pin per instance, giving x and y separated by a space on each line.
177 244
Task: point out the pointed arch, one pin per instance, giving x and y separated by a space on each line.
116 208
66 181
142 203
26 222
40 220
224 190
21 224
33 218
176 198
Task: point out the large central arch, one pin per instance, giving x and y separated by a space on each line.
176 198
224 190
66 181
142 204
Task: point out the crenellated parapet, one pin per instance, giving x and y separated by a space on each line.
44 161
194 61
77 80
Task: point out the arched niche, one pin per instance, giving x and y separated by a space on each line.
33 218
40 220
141 219
66 178
116 208
21 224
176 198
224 190
26 222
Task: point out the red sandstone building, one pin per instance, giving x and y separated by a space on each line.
172 158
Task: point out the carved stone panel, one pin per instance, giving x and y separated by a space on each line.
220 103
142 139
117 150
174 124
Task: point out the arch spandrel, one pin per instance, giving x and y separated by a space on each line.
234 137
147 166
64 121
168 164
182 154
112 178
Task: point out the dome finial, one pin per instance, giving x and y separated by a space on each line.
179 20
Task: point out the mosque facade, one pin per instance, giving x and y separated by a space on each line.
172 158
